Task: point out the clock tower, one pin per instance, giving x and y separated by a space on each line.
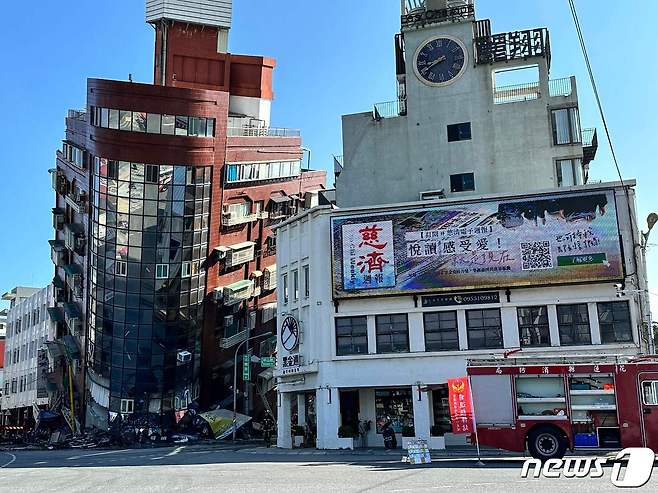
475 114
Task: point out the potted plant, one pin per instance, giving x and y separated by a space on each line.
346 435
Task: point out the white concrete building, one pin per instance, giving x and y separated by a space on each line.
365 353
29 326
466 229
476 114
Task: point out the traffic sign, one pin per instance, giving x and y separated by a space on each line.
246 367
268 361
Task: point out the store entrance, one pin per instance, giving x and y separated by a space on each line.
349 411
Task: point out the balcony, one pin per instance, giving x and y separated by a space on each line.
73 318
560 87
590 145
416 15
74 279
77 201
389 109
254 131
59 182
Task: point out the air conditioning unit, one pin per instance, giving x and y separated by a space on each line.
221 252
184 357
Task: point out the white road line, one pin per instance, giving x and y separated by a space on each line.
41 462
98 453
13 458
177 450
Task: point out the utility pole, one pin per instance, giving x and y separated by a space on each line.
235 377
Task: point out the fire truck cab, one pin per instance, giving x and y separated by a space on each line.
553 406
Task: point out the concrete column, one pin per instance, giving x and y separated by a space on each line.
284 437
372 336
461 330
553 325
510 327
594 326
422 413
328 413
301 410
416 333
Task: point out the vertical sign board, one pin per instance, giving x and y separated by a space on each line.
547 239
461 407
246 367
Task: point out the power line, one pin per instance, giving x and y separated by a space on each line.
581 39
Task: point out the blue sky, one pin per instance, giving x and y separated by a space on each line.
332 58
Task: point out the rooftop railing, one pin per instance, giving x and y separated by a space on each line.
560 87
389 109
262 132
516 93
589 137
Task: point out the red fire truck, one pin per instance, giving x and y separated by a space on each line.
549 406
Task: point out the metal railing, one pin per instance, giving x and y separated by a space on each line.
77 114
262 132
560 87
516 93
589 138
389 109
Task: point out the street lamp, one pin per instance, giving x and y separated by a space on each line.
235 378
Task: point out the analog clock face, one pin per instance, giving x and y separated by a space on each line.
440 61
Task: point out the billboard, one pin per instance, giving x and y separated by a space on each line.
542 240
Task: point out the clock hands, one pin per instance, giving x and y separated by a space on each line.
435 62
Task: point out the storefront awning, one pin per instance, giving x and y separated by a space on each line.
72 310
54 350
55 314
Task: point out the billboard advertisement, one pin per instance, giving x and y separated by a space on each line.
542 240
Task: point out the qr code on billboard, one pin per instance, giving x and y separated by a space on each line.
536 255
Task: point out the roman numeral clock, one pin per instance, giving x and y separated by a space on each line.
440 60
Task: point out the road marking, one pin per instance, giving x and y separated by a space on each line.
177 450
13 458
98 453
41 462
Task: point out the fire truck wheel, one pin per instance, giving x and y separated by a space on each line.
546 442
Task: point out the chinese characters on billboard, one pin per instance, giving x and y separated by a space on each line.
554 239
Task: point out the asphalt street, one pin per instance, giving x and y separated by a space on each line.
207 468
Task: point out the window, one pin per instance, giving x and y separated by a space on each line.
615 322
441 412
161 271
441 331
168 124
121 268
14 385
463 182
125 120
153 123
573 325
566 126
295 285
262 171
307 281
152 174
392 333
127 406
285 288
650 392
533 326
569 172
181 125
351 336
484 329
459 131
186 269
397 404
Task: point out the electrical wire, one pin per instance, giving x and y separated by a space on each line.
581 39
